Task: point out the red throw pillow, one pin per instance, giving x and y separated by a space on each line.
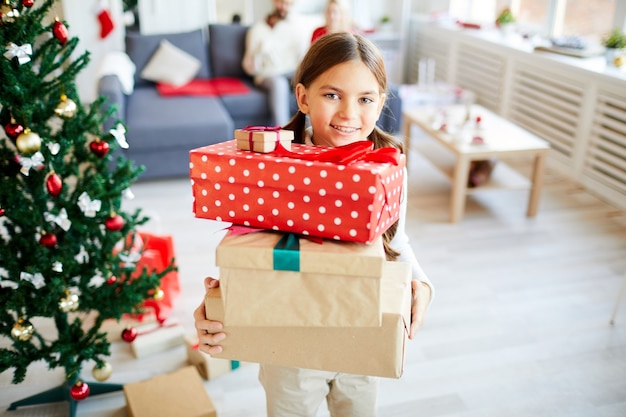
195 87
226 85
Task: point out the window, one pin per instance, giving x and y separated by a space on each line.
590 19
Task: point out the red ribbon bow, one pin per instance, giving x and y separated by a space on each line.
252 129
346 154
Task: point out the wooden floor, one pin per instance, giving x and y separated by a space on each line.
519 327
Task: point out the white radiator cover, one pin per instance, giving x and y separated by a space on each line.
577 105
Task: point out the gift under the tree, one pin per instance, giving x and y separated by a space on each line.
376 351
349 193
152 252
280 279
179 393
157 339
262 139
208 367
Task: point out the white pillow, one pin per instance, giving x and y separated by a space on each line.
171 65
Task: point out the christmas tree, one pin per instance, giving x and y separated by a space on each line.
66 246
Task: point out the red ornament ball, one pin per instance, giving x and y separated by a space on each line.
99 148
49 240
28 3
79 391
112 280
1 212
114 223
60 32
129 334
13 130
54 184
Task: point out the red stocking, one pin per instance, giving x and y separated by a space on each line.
106 23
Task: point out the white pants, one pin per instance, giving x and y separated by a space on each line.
293 392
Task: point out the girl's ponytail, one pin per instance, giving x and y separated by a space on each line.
298 125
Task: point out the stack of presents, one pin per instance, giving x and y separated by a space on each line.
304 281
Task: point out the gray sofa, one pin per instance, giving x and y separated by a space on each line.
162 130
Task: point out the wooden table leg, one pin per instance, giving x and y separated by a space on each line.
536 184
407 138
459 188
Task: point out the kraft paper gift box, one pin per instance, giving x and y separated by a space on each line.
262 139
157 340
277 279
208 367
376 351
180 393
311 190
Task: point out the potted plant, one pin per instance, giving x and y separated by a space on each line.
614 42
505 21
385 24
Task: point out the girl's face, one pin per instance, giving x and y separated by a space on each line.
343 104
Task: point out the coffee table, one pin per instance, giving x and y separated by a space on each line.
453 152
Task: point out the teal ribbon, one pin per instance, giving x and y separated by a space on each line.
287 253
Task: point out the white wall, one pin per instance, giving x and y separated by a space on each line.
83 23
159 16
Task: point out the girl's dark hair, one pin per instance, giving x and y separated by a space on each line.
325 53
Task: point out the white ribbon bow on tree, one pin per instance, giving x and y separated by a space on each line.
119 133
37 279
35 161
62 220
88 206
8 284
129 260
21 52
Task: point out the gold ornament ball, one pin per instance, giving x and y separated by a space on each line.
66 109
22 330
103 372
69 302
28 142
619 61
9 14
158 294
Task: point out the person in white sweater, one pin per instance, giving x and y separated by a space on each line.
274 48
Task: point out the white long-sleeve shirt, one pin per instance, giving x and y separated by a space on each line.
275 51
400 241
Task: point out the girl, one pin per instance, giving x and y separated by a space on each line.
340 86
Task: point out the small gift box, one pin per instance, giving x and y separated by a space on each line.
276 279
376 351
349 193
179 393
263 139
207 366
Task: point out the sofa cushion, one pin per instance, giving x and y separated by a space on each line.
140 49
252 104
226 48
171 65
156 122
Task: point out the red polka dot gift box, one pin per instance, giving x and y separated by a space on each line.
349 193
279 279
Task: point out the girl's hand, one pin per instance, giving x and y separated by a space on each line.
420 299
209 331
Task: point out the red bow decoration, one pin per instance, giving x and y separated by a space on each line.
346 154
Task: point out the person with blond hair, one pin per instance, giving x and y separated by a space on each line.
338 19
